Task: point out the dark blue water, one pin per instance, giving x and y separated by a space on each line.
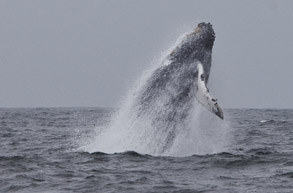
39 153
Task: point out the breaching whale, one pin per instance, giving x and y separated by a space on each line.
166 98
162 113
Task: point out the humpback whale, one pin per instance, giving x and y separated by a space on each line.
159 113
165 100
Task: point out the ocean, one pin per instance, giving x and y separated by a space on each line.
45 150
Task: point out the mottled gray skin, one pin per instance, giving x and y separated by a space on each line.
167 97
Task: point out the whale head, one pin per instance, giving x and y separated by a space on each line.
196 47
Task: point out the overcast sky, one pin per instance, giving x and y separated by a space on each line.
88 53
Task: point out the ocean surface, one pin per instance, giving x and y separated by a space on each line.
41 152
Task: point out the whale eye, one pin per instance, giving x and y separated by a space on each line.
202 77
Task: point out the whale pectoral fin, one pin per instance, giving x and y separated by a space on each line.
203 96
210 103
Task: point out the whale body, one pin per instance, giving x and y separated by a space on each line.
161 115
166 98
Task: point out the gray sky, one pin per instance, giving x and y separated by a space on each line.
88 53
